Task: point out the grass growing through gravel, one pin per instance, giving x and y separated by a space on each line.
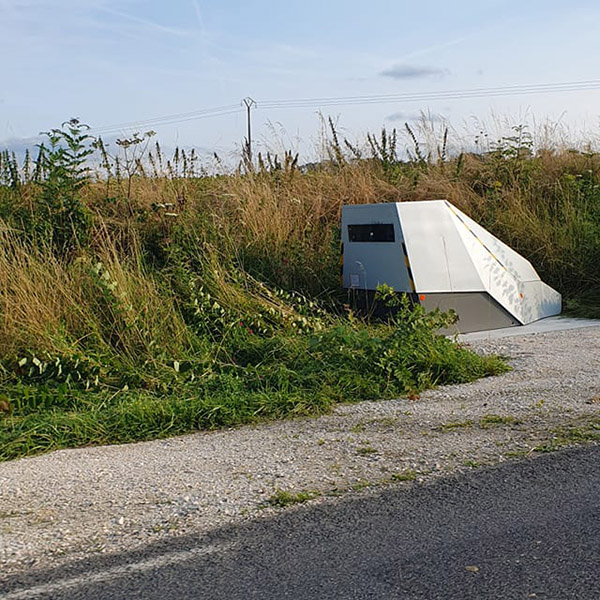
490 420
153 298
582 431
454 425
282 498
408 475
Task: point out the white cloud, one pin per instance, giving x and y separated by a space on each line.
403 71
415 116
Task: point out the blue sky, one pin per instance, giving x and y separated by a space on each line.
116 61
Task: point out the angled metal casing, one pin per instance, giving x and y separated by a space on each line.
446 259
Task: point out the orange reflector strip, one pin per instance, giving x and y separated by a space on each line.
422 297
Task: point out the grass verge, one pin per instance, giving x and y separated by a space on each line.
284 375
153 299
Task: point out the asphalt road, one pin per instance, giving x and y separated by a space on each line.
528 529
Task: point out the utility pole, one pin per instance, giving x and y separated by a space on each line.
248 103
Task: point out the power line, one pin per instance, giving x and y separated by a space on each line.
542 88
169 119
438 95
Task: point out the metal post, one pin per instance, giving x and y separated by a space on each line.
249 103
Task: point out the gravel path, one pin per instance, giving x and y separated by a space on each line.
65 505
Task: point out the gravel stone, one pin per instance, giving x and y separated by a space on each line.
66 505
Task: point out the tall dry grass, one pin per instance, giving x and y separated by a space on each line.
279 224
100 303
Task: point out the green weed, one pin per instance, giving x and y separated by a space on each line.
365 450
492 420
408 475
453 426
282 498
583 431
